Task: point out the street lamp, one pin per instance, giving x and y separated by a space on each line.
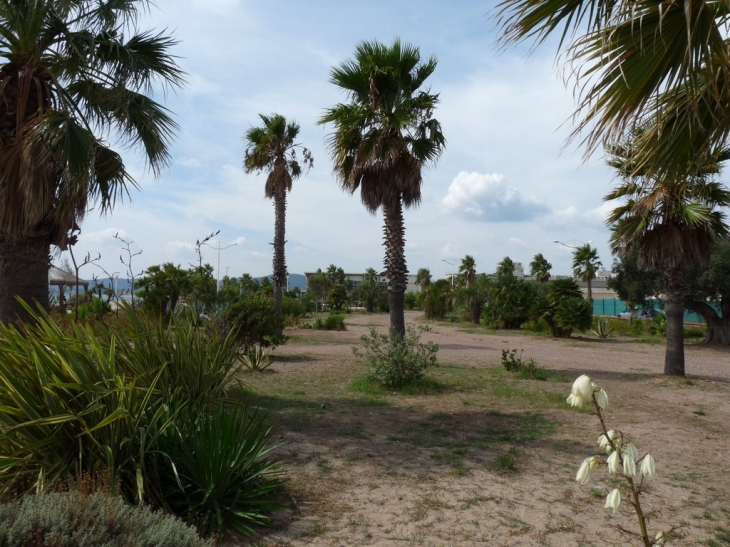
573 246
452 271
219 248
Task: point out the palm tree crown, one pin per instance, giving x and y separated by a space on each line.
74 71
540 268
382 139
467 270
638 60
585 262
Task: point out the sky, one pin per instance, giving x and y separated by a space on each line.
506 184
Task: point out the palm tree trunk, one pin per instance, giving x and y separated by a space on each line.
395 267
279 259
590 292
674 309
23 273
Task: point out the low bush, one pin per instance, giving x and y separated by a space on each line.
334 321
526 369
71 519
396 363
252 319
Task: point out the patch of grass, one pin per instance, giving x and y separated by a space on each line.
699 412
507 461
721 539
422 386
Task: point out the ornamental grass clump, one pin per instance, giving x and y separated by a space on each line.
623 461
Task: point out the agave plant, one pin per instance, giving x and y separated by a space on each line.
601 328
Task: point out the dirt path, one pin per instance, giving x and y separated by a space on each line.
426 470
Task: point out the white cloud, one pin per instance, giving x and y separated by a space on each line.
488 197
450 250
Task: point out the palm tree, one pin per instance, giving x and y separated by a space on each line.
540 268
73 72
383 137
638 60
467 270
673 222
423 278
506 268
272 148
585 265
370 275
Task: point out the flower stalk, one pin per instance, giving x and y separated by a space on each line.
622 460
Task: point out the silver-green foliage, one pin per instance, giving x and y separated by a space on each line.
396 363
71 519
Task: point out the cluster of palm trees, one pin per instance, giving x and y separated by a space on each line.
383 137
653 90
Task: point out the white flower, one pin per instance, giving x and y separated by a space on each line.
575 400
614 463
632 451
629 464
659 538
615 436
648 466
583 387
602 399
603 442
584 473
613 500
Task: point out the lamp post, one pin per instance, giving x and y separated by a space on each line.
219 248
573 246
452 271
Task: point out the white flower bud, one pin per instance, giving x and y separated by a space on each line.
648 466
602 399
583 387
629 464
659 538
586 468
614 463
603 442
615 436
613 500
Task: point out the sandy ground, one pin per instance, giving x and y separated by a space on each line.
373 490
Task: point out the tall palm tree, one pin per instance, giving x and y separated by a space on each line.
673 221
72 72
540 268
382 139
467 271
585 265
423 278
632 60
272 148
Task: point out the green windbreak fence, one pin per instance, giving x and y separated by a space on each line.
614 306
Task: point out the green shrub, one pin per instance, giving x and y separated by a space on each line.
334 321
71 519
292 307
410 300
195 363
396 363
115 401
523 369
252 319
222 474
69 407
563 308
